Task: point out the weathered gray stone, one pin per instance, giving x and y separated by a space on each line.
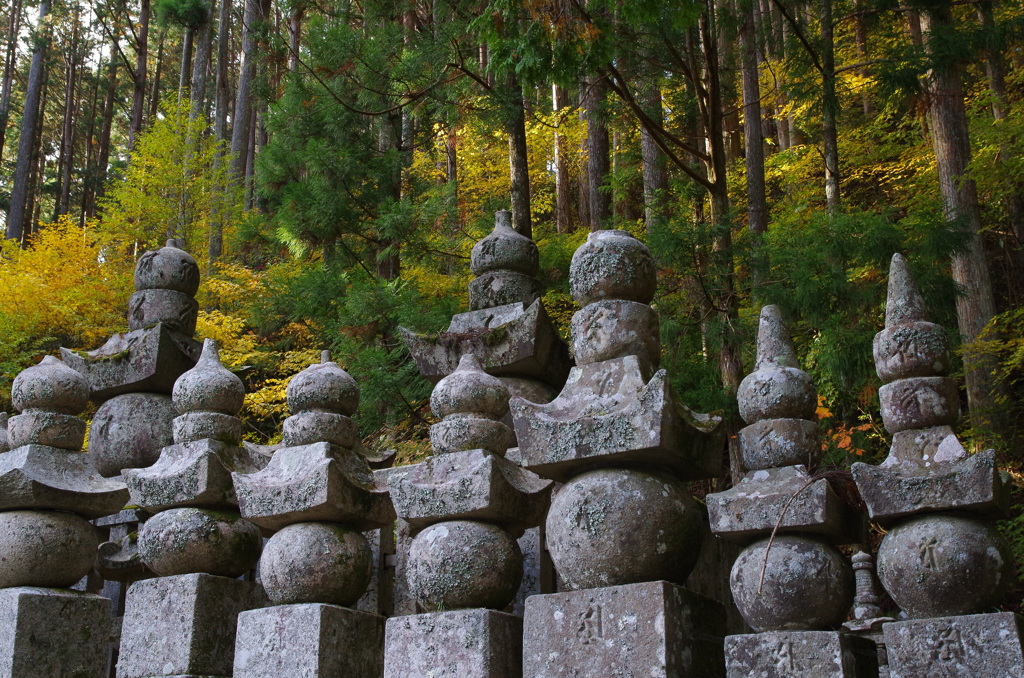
472 485
777 393
975 646
309 641
510 340
919 402
315 563
306 428
47 633
911 349
903 490
615 526
505 249
39 427
774 345
753 507
193 426
45 548
538 572
209 386
469 389
313 483
940 565
184 625
654 629
177 310
612 265
780 442
498 288
800 654
52 386
904 302
925 447
39 477
168 268
456 644
148 360
610 414
5 444
463 564
804 585
192 540
196 473
128 431
463 432
323 387
613 328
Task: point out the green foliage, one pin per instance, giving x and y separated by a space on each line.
189 14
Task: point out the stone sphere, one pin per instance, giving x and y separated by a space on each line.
45 548
167 268
128 431
614 526
187 540
771 443
464 564
808 585
777 393
505 249
209 386
51 385
919 402
316 563
470 390
912 349
941 565
612 265
323 387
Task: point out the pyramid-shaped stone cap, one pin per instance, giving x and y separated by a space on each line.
904 302
168 268
774 346
505 249
209 386
323 387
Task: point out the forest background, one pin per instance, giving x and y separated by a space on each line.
330 163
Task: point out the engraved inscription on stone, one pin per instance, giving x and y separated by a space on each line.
784 658
926 551
945 645
590 628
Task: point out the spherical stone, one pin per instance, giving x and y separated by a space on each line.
128 431
614 329
316 563
51 385
176 310
919 402
498 288
168 268
505 249
913 349
939 565
209 386
470 390
612 265
187 540
37 427
45 548
777 393
771 443
323 387
615 526
306 428
459 433
201 425
464 564
808 585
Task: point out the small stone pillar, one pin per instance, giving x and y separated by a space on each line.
182 623
623 532
315 497
941 560
466 506
793 589
48 492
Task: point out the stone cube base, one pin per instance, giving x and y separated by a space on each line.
974 646
183 625
53 633
309 641
652 629
789 654
461 643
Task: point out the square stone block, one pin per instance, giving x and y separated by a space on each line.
309 641
973 646
456 644
53 633
652 629
799 654
183 625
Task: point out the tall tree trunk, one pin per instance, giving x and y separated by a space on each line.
598 153
242 121
139 78
67 142
10 66
655 171
295 37
559 101
89 163
201 66
19 214
860 38
583 180
215 246
829 109
519 165
38 163
185 72
753 140
103 156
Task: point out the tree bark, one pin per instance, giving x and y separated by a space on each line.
241 126
154 92
185 72
215 244
67 143
559 101
10 66
139 78
103 156
753 139
655 171
519 164
829 109
598 153
201 66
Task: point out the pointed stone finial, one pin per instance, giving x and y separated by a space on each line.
505 249
48 395
209 386
774 346
904 303
325 357
471 404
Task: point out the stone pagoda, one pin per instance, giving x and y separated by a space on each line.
182 623
790 583
466 505
49 490
941 561
314 497
623 532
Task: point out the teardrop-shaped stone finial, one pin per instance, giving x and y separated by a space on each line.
503 218
904 302
209 386
774 345
176 243
325 357
323 387
470 390
50 386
